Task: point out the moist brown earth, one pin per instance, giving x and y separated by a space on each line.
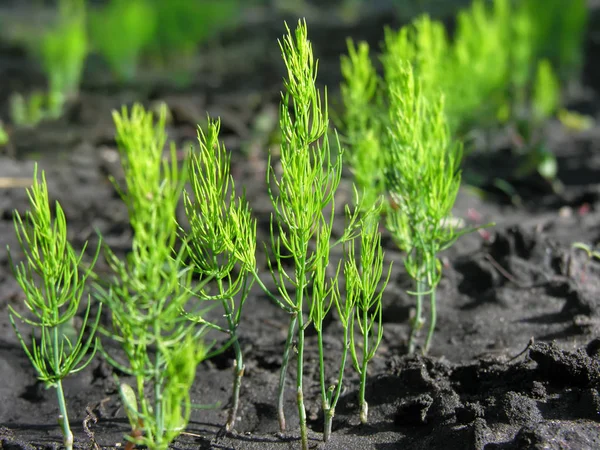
515 360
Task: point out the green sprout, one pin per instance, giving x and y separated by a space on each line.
153 285
496 67
325 293
301 192
546 93
222 236
557 32
4 139
590 251
545 101
53 285
364 288
306 185
477 74
183 26
363 127
471 70
544 30
180 368
425 44
62 51
27 112
121 31
572 23
486 71
359 310
423 181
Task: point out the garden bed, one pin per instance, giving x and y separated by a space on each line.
515 361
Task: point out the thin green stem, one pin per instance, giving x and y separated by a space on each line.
364 406
322 369
158 411
269 294
299 380
282 374
63 418
144 428
432 320
238 368
417 321
328 425
330 412
326 401
300 280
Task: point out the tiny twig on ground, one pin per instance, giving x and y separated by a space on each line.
504 272
521 353
90 418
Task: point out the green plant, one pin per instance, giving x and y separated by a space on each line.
184 25
590 251
423 180
546 93
425 44
545 101
153 285
27 112
120 31
365 289
487 70
222 236
540 31
300 193
53 285
572 23
557 32
476 85
494 69
4 139
363 109
325 293
180 370
471 70
358 311
62 51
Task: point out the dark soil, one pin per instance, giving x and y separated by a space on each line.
515 361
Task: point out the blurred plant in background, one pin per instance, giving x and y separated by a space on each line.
120 31
62 52
183 26
3 135
126 34
361 97
545 101
167 34
503 67
27 111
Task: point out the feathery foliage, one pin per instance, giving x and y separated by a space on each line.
151 288
54 286
222 239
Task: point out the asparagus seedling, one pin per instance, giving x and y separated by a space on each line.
301 192
222 236
53 284
153 286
